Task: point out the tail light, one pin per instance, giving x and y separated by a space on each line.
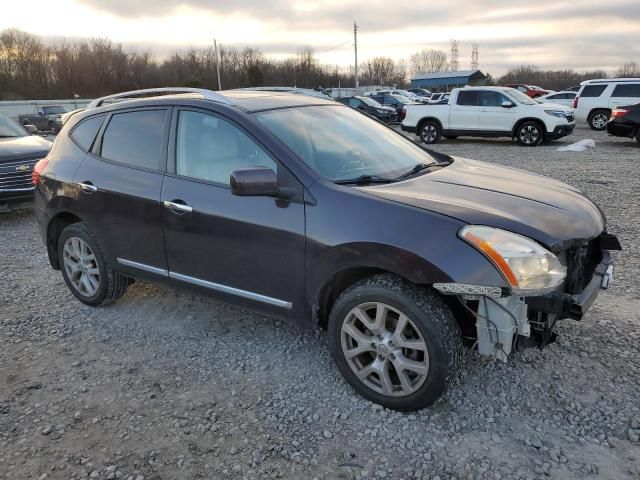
37 170
403 114
575 101
619 112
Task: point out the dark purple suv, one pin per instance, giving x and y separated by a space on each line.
303 208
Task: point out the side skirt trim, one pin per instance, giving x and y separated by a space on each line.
206 284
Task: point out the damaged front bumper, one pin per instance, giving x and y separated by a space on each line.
504 320
565 305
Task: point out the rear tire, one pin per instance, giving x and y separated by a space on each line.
598 119
530 134
430 132
84 268
417 362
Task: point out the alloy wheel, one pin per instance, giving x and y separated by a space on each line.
81 266
599 121
529 135
428 134
384 349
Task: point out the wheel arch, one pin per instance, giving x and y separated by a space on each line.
55 227
519 123
355 262
422 121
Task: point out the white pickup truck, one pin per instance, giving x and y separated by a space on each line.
489 112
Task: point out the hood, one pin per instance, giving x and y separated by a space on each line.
23 147
480 193
554 106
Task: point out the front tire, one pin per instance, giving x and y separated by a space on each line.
84 268
598 120
530 134
430 132
396 344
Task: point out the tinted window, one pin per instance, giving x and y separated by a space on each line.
593 90
354 102
467 98
492 99
627 90
209 148
135 138
86 131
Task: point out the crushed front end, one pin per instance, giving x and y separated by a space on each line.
545 287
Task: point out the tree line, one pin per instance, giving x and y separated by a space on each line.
30 68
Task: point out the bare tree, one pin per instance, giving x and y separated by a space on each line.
428 61
631 69
384 71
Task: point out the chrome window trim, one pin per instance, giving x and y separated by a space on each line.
206 284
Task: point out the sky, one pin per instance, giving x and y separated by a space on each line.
553 34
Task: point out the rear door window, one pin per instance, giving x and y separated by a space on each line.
627 90
592 90
85 132
135 138
469 99
492 99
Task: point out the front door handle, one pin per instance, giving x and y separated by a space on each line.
87 187
177 207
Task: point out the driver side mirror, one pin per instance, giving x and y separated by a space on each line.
254 182
32 129
507 104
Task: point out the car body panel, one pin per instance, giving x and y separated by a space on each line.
627 125
546 210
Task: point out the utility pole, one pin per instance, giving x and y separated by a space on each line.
355 46
215 48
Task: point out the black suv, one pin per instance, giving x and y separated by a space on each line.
303 208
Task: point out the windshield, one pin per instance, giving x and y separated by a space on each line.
370 101
55 109
9 128
520 97
341 144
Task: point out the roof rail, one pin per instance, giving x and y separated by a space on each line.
294 90
150 92
610 80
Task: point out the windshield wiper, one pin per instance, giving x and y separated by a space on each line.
418 168
363 180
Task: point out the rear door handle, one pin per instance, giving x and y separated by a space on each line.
87 187
177 207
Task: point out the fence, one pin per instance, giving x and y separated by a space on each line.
24 107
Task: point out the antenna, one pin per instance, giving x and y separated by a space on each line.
474 56
454 65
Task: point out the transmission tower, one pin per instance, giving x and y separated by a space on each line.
454 65
474 56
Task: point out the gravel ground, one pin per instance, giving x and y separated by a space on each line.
165 384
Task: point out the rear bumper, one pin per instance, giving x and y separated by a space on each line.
575 306
621 129
561 131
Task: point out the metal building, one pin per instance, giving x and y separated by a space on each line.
445 81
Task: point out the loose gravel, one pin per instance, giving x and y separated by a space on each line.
164 384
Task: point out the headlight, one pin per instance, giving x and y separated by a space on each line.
529 268
557 113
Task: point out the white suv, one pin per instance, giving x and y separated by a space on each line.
596 99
